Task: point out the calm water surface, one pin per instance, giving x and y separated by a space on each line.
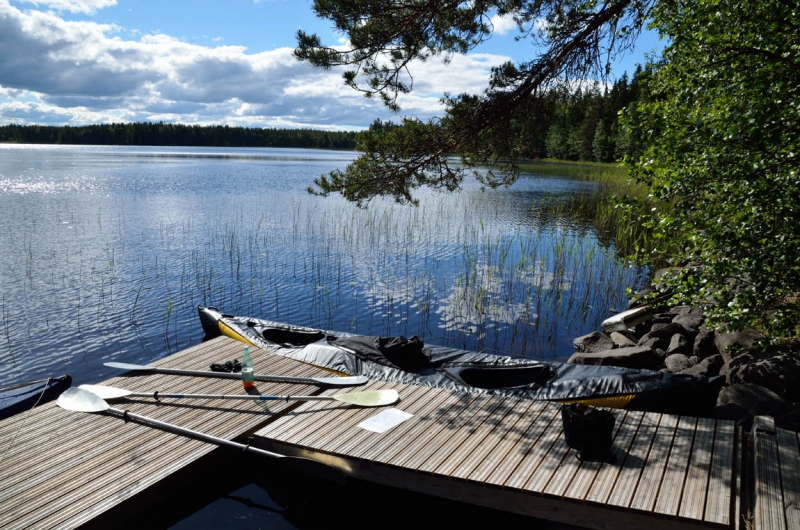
106 252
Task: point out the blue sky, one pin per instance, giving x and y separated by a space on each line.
204 62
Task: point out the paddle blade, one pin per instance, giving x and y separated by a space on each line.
350 380
80 400
370 398
106 392
126 366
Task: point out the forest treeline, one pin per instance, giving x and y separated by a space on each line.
172 134
579 125
567 125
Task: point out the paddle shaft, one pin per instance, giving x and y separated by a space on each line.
190 433
255 397
230 375
303 464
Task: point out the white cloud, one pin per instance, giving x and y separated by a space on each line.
87 7
58 71
503 24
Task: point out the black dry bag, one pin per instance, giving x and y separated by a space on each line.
588 431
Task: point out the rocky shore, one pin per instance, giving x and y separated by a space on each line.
758 380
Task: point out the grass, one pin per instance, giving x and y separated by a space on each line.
618 211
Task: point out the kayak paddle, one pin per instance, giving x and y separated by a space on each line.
80 400
324 381
370 398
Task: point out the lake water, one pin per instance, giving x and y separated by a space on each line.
106 252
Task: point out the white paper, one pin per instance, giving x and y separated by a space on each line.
385 420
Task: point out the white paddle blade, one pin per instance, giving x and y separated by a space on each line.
80 400
106 392
370 398
126 366
350 380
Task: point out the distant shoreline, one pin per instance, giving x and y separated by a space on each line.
176 135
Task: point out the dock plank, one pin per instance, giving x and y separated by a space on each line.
603 484
655 466
591 471
694 490
720 480
620 481
674 479
552 437
768 512
528 440
500 443
482 439
412 400
404 434
447 443
343 424
789 456
432 427
573 469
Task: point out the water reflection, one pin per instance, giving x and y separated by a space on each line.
106 253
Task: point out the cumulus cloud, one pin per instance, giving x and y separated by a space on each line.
503 24
87 7
55 71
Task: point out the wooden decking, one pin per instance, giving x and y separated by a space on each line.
63 469
60 469
776 497
670 471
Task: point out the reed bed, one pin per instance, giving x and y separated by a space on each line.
497 271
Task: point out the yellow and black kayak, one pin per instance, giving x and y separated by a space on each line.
402 360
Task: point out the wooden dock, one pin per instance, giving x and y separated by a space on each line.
670 472
63 469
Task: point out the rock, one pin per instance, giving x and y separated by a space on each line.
730 343
677 362
691 321
679 344
708 367
774 369
704 345
693 360
620 340
661 338
741 401
632 357
679 310
593 342
655 326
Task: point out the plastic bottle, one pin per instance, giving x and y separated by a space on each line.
247 369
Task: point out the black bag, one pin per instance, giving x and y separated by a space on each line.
589 431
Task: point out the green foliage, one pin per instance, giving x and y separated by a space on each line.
723 147
486 130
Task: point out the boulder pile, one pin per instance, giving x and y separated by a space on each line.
758 380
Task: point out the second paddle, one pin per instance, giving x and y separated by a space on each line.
369 398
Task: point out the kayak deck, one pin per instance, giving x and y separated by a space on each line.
65 469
